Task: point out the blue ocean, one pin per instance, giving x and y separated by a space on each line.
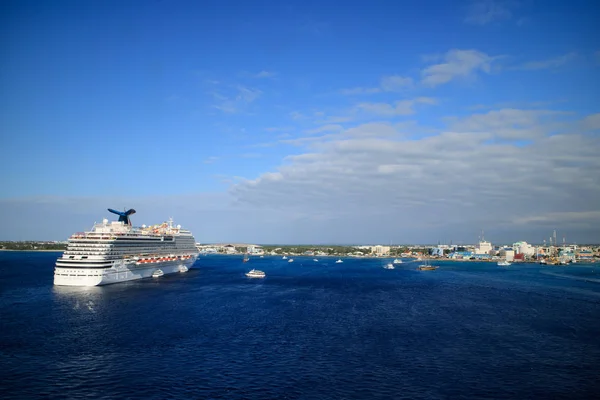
309 330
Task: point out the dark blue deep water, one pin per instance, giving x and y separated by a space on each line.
308 331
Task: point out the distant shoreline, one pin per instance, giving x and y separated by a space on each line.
51 251
412 259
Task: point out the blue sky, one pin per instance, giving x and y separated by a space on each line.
299 121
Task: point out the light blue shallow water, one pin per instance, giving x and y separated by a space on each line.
307 331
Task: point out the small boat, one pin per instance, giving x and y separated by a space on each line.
315 260
262 257
246 258
339 261
183 268
397 261
426 266
254 273
158 273
389 266
291 260
504 263
284 258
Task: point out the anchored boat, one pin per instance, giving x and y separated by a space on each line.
114 252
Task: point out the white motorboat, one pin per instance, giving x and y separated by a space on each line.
315 260
397 261
284 258
158 273
291 260
339 261
504 263
389 266
254 273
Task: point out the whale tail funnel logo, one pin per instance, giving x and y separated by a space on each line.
123 215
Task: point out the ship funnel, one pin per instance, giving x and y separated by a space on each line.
123 215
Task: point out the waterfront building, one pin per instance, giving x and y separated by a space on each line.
437 251
483 247
524 248
380 250
255 249
585 254
507 253
229 249
460 255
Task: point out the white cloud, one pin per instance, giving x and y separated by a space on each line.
360 90
591 122
395 83
247 95
332 133
509 123
228 107
483 12
210 160
296 115
237 99
336 119
403 107
378 182
458 64
325 128
279 129
391 83
264 74
549 63
384 109
376 177
372 130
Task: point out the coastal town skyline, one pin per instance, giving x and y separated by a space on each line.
300 122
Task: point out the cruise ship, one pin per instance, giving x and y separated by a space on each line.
116 251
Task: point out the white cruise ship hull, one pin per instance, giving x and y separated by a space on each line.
93 276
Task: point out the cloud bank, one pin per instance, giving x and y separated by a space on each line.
511 171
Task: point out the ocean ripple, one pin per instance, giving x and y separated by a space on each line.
354 331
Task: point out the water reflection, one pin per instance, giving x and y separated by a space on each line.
79 298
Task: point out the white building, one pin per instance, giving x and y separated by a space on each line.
524 248
483 247
507 253
255 249
380 250
229 249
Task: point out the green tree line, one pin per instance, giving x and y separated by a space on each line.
30 245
